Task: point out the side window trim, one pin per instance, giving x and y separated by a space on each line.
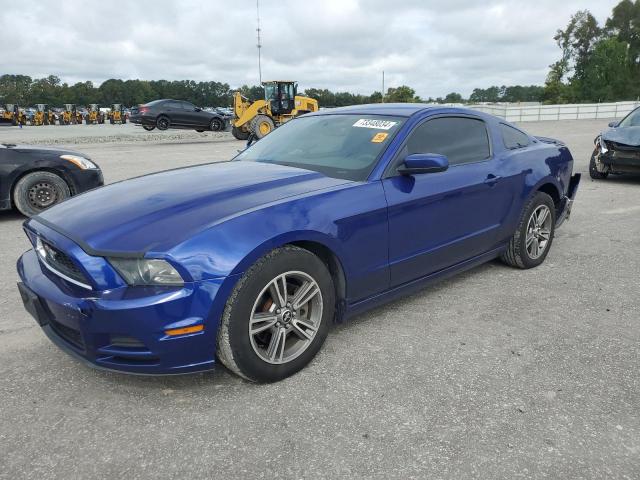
391 170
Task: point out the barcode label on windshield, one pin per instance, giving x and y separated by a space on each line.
378 124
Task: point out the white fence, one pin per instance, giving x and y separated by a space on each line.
532 113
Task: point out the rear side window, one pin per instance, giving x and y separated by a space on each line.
188 106
513 138
174 104
462 140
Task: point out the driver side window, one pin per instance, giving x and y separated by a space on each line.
460 139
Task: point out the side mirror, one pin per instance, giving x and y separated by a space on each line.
613 124
423 163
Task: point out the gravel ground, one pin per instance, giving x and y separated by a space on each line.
496 373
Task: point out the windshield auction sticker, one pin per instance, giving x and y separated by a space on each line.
378 124
379 137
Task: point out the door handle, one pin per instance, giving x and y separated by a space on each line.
492 179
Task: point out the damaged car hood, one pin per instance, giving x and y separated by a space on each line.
624 135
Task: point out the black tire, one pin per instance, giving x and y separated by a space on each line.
148 128
112 121
162 122
124 120
593 171
517 254
239 134
37 191
199 131
260 120
234 344
216 125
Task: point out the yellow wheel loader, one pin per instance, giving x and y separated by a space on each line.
94 115
68 115
39 117
13 114
116 115
280 104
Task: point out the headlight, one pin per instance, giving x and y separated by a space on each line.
142 271
603 146
81 162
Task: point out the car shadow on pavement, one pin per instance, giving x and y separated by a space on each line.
11 215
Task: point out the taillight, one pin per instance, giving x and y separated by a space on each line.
143 109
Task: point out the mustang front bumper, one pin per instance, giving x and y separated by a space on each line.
566 203
124 329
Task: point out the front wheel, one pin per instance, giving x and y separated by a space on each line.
277 316
239 134
532 240
148 128
215 125
38 191
593 170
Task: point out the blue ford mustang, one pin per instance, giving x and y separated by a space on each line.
250 261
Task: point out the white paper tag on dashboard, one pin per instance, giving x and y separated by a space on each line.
378 124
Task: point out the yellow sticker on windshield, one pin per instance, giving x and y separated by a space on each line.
379 137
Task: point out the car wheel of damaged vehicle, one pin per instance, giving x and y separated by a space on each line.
163 123
38 191
532 240
278 316
148 128
593 169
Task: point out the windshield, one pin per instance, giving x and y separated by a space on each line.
340 146
631 120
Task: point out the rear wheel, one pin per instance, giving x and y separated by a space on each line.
262 125
239 134
162 123
532 240
278 316
148 128
593 170
38 191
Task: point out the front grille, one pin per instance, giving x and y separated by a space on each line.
69 334
60 262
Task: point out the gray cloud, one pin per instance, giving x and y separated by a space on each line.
434 46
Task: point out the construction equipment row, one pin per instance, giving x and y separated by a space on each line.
69 115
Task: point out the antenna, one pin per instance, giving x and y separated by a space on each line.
259 42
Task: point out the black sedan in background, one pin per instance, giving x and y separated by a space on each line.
167 113
33 178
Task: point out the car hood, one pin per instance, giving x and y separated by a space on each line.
625 135
41 150
159 211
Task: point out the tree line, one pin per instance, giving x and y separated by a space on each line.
598 63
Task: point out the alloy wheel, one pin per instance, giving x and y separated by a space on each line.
285 317
538 231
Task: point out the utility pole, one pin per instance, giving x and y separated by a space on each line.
382 86
259 43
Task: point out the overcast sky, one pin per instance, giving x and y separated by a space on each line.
433 46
